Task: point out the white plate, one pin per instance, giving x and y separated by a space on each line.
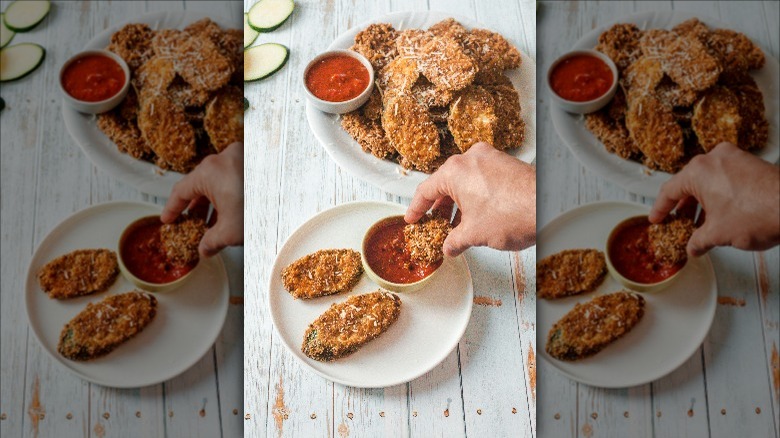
103 153
432 319
385 174
188 319
676 319
631 175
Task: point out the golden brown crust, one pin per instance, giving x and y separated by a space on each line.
368 133
101 327
589 328
716 118
125 134
347 326
669 239
689 64
473 118
425 238
325 272
655 131
570 272
224 119
377 44
78 273
621 43
167 131
133 43
510 127
410 130
180 239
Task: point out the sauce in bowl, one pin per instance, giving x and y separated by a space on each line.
631 255
581 78
93 78
387 255
143 255
337 78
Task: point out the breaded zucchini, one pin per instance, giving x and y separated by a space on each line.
325 272
570 272
78 273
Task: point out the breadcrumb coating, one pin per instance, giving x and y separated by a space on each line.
425 238
325 272
78 273
570 272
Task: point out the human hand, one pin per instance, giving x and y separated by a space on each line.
496 198
218 179
740 198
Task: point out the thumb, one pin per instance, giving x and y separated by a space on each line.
701 241
456 242
211 243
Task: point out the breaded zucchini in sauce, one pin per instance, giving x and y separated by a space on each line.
180 239
425 238
570 272
78 273
100 328
325 272
669 239
347 326
588 328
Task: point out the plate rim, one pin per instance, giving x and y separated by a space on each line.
276 268
711 309
636 185
30 277
392 185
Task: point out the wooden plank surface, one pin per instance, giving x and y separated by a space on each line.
728 387
293 176
45 178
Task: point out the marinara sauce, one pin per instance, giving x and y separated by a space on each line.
631 255
143 254
337 78
581 78
93 78
388 256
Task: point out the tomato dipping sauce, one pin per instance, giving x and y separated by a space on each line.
631 255
93 78
388 257
581 78
143 255
337 78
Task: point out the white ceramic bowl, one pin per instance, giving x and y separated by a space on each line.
103 105
347 105
591 105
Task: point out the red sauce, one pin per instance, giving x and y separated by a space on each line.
143 255
337 78
630 254
581 78
387 255
93 78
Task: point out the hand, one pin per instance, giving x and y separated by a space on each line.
496 198
740 198
218 179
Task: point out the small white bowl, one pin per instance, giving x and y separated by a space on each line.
103 105
591 105
347 105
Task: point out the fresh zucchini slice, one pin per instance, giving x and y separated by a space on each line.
267 15
264 60
6 34
19 60
250 35
21 16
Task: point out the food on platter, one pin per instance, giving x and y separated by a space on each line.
589 328
389 254
325 272
78 273
347 326
570 272
101 327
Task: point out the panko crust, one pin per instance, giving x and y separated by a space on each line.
570 272
325 272
167 131
689 64
411 132
133 43
180 239
224 119
669 239
368 133
125 134
345 327
716 118
621 43
78 273
510 127
425 238
473 118
201 63
589 328
377 44
655 132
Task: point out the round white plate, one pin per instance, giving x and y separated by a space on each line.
432 319
631 175
675 323
103 153
188 319
385 174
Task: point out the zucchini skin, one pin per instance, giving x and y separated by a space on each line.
43 56
283 63
26 28
274 27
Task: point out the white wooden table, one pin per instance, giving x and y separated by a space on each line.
729 388
46 177
486 386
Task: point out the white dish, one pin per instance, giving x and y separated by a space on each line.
100 150
676 320
188 319
431 323
631 175
385 174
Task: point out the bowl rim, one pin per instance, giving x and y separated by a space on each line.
107 53
149 286
363 60
592 52
622 278
370 271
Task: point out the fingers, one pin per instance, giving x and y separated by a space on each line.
456 242
444 206
182 194
427 193
672 192
687 207
701 241
211 243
